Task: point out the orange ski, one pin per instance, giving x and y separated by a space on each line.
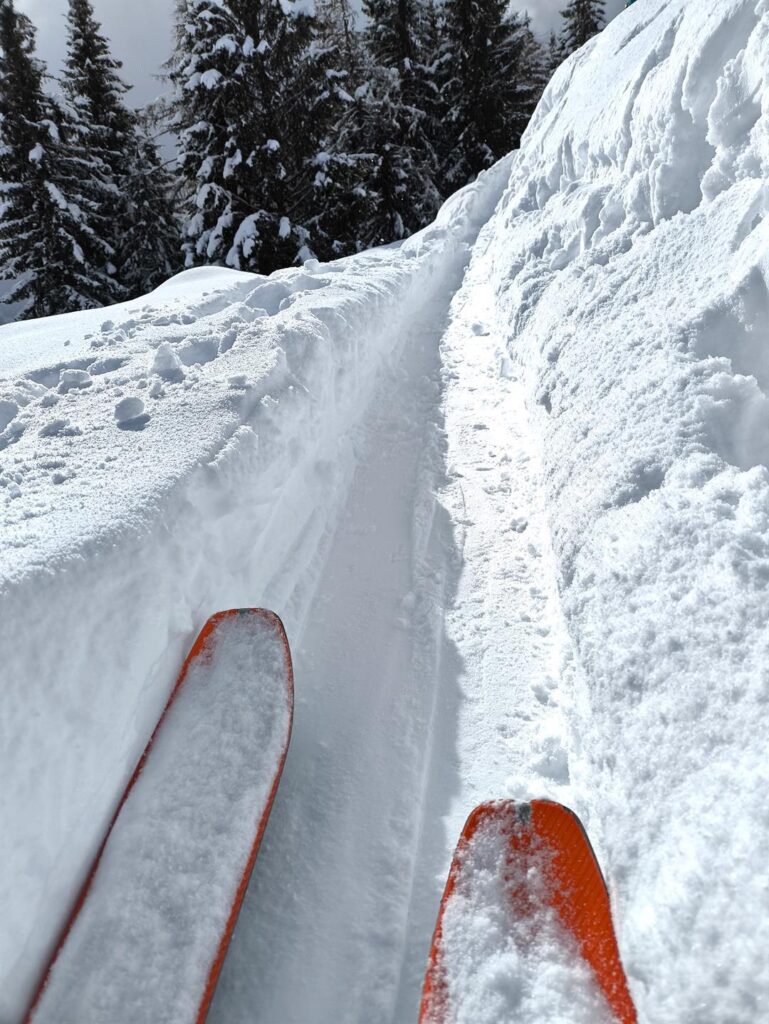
542 860
148 933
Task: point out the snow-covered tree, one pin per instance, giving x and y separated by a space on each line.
555 54
50 251
208 74
101 126
151 245
250 86
340 163
494 78
582 20
392 115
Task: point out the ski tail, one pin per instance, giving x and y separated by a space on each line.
183 840
546 858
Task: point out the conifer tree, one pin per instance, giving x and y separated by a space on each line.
342 163
394 123
152 243
250 89
50 252
101 126
495 71
582 20
208 74
555 54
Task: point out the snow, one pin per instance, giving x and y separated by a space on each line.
628 258
506 483
144 943
227 496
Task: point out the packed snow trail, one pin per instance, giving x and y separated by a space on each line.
390 749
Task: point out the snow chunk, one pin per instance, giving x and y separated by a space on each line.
8 411
128 409
73 379
166 364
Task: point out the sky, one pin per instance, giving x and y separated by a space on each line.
140 32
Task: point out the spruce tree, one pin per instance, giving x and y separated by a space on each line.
208 74
494 78
250 89
152 243
555 54
341 163
50 251
394 123
582 20
102 127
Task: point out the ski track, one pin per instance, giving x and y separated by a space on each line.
427 670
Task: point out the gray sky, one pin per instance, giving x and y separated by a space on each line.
140 32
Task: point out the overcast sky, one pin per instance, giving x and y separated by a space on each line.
141 33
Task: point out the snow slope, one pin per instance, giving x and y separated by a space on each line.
514 514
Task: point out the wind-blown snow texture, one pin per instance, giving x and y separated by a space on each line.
602 370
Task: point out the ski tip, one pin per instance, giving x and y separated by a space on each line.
206 639
550 838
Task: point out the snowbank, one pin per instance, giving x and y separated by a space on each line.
629 258
159 460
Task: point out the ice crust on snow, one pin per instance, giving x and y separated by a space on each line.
144 942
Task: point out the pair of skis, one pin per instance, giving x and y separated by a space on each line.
149 931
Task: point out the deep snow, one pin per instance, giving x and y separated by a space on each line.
516 519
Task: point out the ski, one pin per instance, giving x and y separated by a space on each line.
148 933
536 860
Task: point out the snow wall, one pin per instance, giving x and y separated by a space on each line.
630 257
